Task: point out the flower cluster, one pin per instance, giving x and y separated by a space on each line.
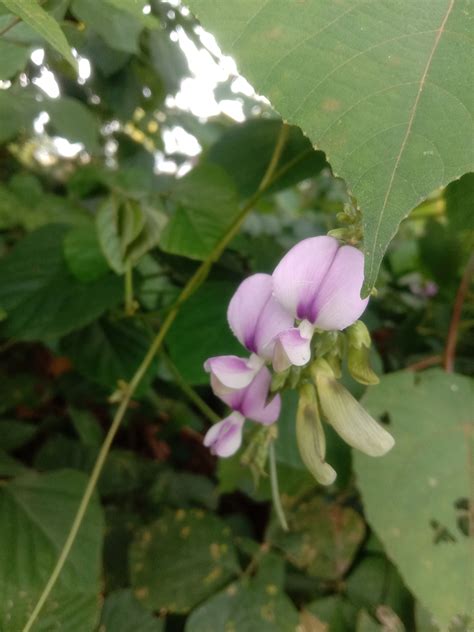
291 321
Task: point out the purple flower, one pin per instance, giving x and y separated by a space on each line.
251 402
318 282
256 319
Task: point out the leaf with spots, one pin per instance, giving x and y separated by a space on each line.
323 538
36 512
384 88
181 559
249 605
417 499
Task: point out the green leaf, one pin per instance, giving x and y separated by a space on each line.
41 297
73 120
15 433
108 351
245 607
123 613
118 28
36 512
83 254
335 611
181 559
323 538
245 151
205 319
10 466
123 472
135 9
13 58
17 110
32 14
415 497
87 427
127 231
205 207
382 87
374 582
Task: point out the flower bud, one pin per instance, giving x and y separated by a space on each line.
358 354
310 436
348 418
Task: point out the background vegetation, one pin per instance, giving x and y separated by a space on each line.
141 179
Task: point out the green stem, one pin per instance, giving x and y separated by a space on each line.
194 282
190 393
275 491
129 302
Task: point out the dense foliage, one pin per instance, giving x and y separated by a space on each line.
141 180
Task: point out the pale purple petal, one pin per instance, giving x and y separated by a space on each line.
272 321
246 305
298 276
230 396
291 348
232 371
225 437
254 403
338 303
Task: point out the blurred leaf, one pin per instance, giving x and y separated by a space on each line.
123 613
369 84
181 559
365 623
39 295
36 512
87 427
15 433
10 467
286 447
245 151
135 9
183 489
246 606
168 60
73 120
13 59
323 538
118 28
375 581
124 472
127 231
206 205
83 254
335 611
459 196
108 351
414 498
205 319
17 109
44 24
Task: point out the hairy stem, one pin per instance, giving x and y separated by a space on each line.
129 302
451 341
194 282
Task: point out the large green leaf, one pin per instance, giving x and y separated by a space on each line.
73 120
181 559
43 23
384 88
201 331
35 515
39 294
415 497
205 205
